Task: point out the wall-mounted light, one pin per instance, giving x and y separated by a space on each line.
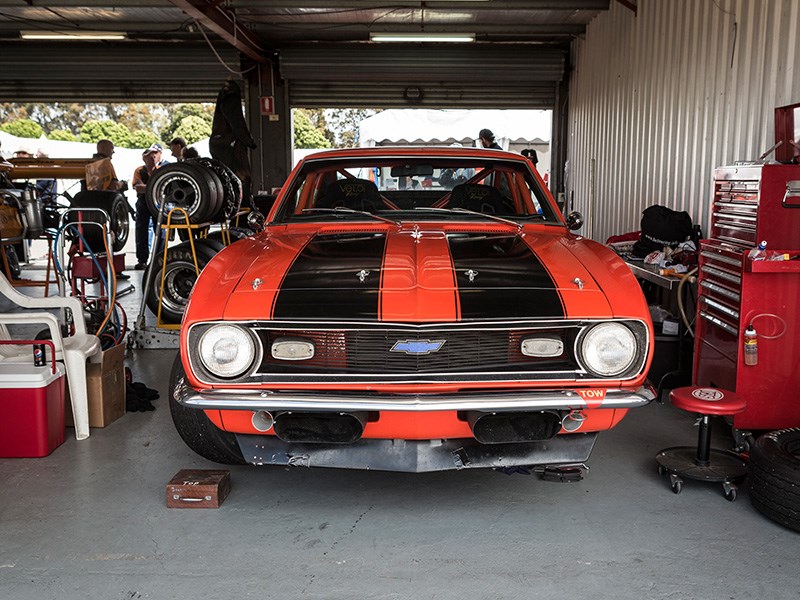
422 37
71 34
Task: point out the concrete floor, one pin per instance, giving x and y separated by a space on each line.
90 522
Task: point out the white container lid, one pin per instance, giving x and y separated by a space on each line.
25 375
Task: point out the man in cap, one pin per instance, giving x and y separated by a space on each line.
177 146
144 220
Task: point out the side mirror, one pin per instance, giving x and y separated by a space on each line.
574 220
256 220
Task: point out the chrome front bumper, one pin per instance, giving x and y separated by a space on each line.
339 402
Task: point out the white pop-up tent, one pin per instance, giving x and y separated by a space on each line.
514 130
426 126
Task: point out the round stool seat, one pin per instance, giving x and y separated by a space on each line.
707 401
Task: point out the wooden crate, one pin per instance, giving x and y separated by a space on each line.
198 488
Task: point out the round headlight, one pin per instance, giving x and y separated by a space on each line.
227 350
608 349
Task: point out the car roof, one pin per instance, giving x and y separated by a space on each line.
413 152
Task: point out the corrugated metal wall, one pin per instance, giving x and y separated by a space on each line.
123 72
393 75
661 97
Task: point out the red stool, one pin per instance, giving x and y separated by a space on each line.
704 463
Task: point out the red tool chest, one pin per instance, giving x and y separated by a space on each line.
752 203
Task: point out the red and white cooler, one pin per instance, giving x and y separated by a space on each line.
31 407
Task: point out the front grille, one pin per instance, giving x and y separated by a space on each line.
362 353
462 350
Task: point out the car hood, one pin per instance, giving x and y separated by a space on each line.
424 274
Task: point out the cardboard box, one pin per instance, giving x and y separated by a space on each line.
198 488
105 381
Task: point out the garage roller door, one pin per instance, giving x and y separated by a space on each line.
504 76
111 73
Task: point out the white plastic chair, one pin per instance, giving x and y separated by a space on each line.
73 350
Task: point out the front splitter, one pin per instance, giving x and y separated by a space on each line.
412 456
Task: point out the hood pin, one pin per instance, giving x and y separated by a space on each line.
256 282
362 275
471 274
579 282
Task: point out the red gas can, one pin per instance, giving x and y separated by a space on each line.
31 410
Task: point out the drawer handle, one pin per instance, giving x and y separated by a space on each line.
793 194
719 323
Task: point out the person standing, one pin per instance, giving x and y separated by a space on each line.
144 220
100 173
487 139
177 147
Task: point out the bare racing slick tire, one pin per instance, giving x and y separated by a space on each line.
775 477
187 185
196 429
113 203
179 278
231 186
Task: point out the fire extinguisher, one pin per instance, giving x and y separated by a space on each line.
750 346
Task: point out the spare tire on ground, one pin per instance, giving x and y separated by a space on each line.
775 476
118 210
179 278
188 185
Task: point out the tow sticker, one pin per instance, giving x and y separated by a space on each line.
593 398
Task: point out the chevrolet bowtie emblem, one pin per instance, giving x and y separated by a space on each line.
417 346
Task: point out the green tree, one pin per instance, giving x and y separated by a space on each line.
62 135
143 138
180 112
24 128
93 131
192 129
306 135
343 122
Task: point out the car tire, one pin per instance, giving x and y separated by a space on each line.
187 185
775 477
196 429
179 278
232 189
118 211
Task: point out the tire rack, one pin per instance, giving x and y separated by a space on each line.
752 203
165 335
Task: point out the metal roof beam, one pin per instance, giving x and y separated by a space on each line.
223 23
555 5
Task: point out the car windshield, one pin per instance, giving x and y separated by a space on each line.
415 188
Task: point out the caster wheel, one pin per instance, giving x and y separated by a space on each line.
661 471
677 487
731 492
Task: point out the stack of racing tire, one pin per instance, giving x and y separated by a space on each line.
209 193
775 476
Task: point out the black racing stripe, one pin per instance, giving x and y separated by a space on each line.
324 281
508 281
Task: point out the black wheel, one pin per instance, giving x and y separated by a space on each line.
775 476
13 262
195 428
677 486
661 470
186 185
118 211
232 189
179 278
731 494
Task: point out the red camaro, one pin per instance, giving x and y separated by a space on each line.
411 309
